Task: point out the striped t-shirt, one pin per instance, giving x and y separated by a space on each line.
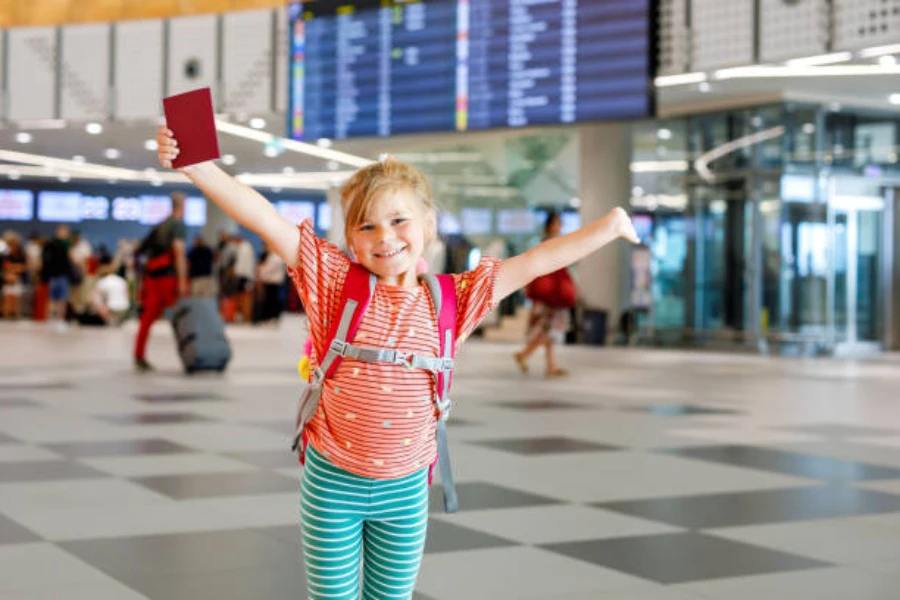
378 420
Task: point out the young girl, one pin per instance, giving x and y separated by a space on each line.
364 493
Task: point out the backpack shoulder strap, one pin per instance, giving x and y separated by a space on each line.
359 285
443 296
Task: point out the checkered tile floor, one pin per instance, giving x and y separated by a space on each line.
646 475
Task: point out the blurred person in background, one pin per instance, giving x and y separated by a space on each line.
80 253
200 269
271 276
110 299
165 274
12 269
56 271
244 273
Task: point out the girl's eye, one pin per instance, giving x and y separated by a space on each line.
366 227
400 220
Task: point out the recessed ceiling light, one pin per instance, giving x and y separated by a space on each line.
276 189
112 154
78 158
288 170
271 151
229 159
704 87
664 134
94 128
809 128
333 165
151 145
894 98
23 137
156 183
14 175
257 123
323 143
887 60
65 177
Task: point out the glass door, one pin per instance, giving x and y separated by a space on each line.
857 271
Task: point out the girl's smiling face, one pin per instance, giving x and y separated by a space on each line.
391 238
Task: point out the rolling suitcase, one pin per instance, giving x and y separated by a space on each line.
200 335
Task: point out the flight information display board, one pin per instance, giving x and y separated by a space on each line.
380 68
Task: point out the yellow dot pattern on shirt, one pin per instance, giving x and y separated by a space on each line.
349 445
356 371
350 416
409 414
378 462
412 333
387 389
463 285
407 442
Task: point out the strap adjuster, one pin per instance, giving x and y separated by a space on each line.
339 347
403 359
447 364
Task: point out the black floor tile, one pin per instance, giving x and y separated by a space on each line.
539 405
18 403
46 470
788 463
268 459
206 485
681 557
13 533
447 537
680 410
543 445
4 387
119 448
174 397
760 507
156 418
159 557
482 496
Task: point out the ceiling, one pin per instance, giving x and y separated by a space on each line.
25 13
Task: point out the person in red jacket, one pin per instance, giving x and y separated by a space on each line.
165 275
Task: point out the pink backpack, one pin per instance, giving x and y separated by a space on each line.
355 296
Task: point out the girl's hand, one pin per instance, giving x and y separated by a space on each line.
167 147
622 226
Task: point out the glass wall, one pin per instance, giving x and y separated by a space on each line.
769 225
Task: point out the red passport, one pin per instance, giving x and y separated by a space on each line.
190 117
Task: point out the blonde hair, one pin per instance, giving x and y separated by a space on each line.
364 188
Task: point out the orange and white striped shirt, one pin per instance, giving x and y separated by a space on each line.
378 420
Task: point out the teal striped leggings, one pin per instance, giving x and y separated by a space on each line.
347 518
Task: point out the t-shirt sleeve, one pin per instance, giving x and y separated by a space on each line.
318 278
474 296
179 230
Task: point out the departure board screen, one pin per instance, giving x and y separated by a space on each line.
381 68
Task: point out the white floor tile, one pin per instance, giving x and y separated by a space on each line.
842 583
10 453
215 514
27 566
76 493
514 573
111 590
165 464
550 524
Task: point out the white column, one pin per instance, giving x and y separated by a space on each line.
216 222
604 183
336 233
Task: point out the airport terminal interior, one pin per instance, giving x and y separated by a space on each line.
721 420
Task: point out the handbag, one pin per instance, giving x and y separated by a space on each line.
556 289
